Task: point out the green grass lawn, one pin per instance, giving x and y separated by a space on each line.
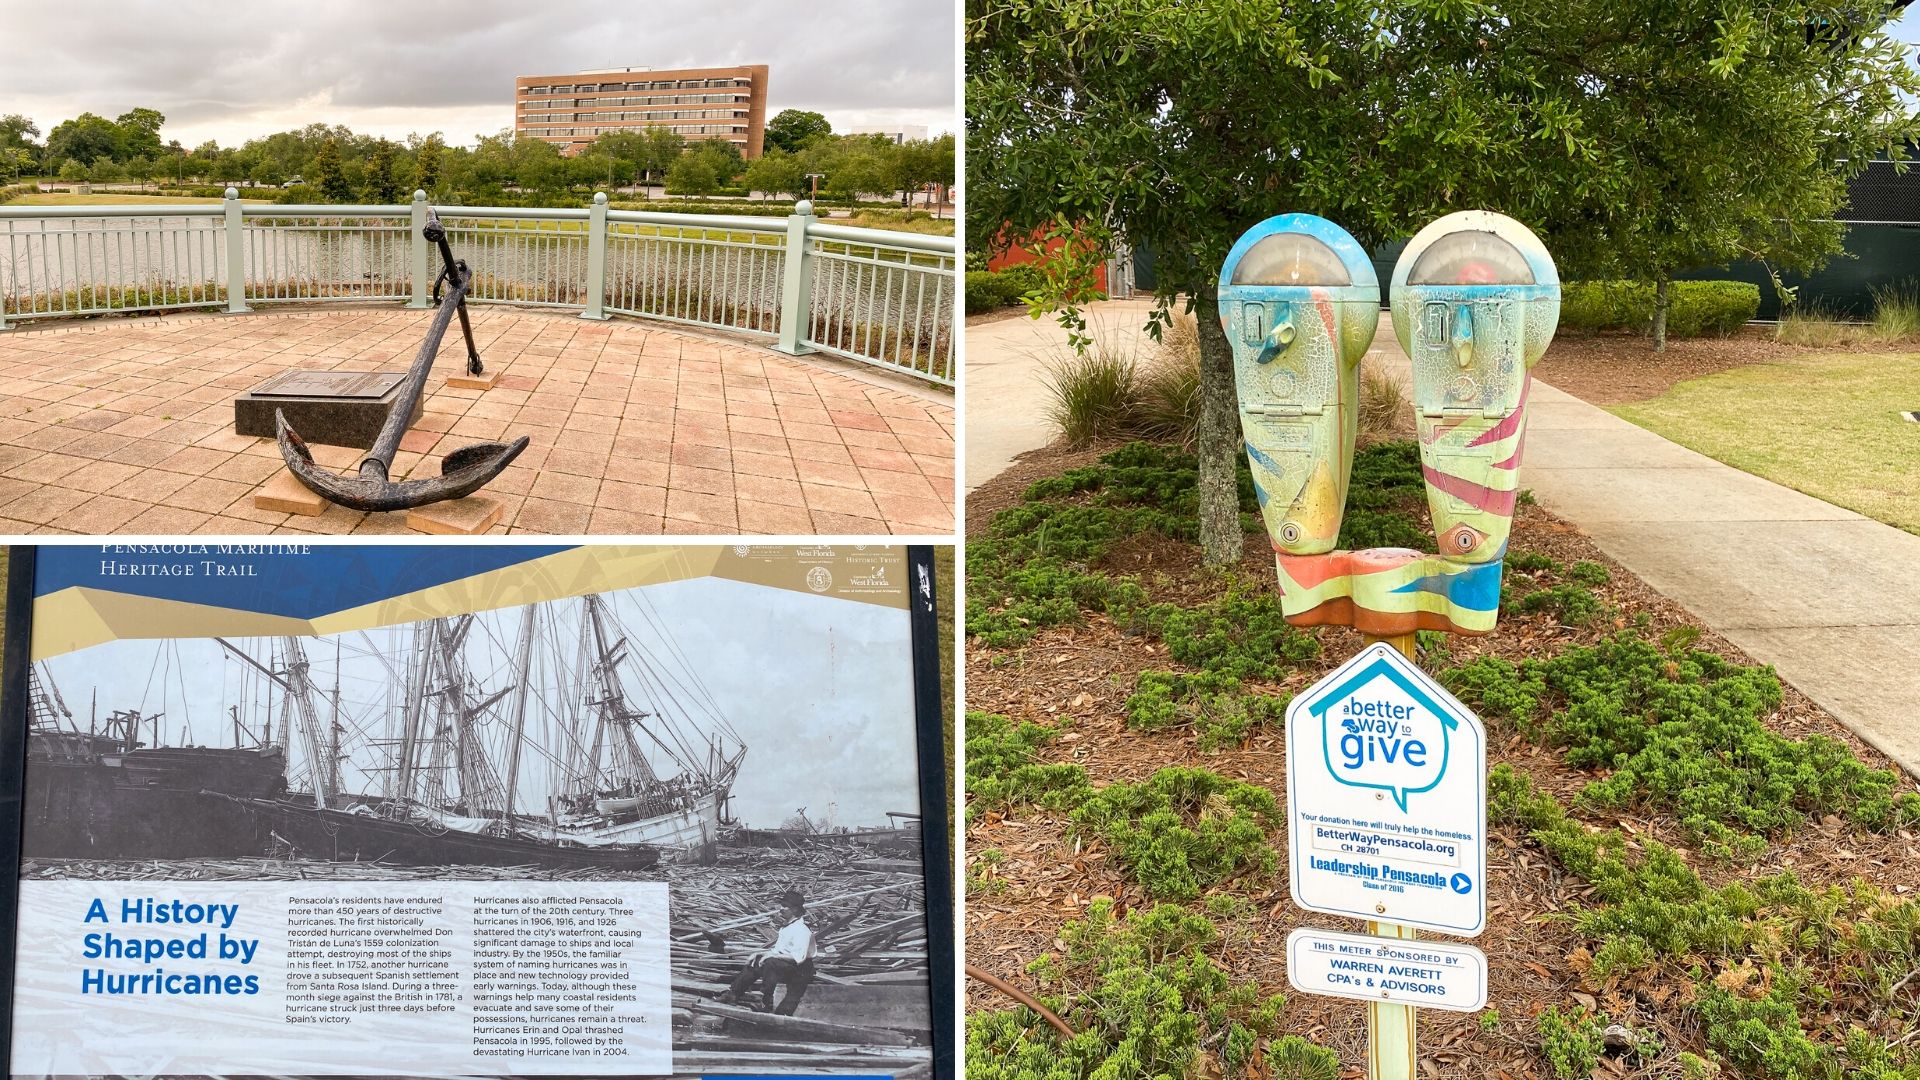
62 198
1825 423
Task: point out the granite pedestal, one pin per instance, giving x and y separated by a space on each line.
337 408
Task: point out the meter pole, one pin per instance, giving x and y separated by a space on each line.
1390 1026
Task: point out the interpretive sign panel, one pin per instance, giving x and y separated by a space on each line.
459 810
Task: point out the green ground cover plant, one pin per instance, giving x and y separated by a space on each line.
1037 565
1184 830
1763 956
1715 967
1150 996
1004 771
1680 731
1216 705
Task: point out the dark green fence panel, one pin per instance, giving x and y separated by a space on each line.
1875 257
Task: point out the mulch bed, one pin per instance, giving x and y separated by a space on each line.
1087 671
1609 369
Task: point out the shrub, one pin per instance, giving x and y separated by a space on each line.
1571 604
1003 771
1148 995
1221 712
991 289
1797 944
1184 830
1572 1041
1694 308
1683 733
1241 635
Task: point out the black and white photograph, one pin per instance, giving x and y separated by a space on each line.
748 752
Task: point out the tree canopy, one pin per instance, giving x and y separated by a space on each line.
1637 136
792 129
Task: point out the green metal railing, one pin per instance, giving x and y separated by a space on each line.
871 295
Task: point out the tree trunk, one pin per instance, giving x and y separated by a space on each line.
1221 539
1662 295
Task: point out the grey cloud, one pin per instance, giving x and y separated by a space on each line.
196 61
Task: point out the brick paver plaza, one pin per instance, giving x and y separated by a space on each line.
126 426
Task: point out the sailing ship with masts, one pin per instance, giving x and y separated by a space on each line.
615 760
109 789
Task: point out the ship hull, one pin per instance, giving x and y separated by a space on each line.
163 803
688 834
342 836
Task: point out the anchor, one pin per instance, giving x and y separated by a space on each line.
462 472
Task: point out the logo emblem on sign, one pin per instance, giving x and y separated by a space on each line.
1381 730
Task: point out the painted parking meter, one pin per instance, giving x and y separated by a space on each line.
1299 302
1475 301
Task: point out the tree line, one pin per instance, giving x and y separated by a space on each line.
803 156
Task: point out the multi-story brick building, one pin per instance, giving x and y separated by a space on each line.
727 103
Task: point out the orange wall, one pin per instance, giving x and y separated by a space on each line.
1015 255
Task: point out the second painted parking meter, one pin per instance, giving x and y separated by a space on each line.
1475 300
1299 302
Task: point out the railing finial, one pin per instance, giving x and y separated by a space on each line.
233 193
804 206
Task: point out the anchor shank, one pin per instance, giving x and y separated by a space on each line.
388 441
461 276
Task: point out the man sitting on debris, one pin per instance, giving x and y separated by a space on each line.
788 960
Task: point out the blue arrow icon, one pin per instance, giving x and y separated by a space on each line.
1462 884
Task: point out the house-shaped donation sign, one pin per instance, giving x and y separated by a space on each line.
1386 798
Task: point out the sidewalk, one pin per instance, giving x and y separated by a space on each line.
1830 598
1826 596
1006 367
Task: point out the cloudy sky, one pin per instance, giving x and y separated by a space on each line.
230 71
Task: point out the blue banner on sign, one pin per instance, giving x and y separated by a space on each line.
299 581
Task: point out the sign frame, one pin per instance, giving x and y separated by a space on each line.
919 654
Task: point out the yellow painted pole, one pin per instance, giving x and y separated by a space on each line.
1391 1053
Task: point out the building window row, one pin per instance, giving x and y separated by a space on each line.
603 102
590 132
677 114
613 87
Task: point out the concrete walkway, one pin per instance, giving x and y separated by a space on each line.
1830 598
1006 370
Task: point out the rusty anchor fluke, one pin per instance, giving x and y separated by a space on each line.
462 472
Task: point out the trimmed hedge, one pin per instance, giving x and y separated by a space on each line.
990 289
1695 309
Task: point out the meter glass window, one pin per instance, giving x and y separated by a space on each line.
1471 257
1291 259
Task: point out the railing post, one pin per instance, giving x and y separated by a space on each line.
236 256
596 307
417 248
796 295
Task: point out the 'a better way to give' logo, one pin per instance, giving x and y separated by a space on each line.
1381 730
